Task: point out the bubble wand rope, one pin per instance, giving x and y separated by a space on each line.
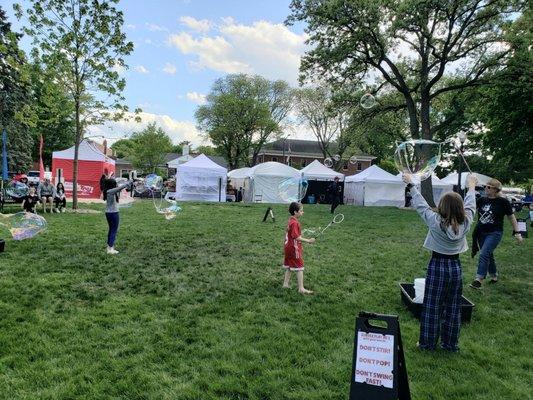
336 220
463 157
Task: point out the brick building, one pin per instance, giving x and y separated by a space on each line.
300 153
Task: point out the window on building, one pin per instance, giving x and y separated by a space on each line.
359 166
274 158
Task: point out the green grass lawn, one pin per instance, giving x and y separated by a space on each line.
193 308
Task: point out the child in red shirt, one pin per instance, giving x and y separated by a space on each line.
294 250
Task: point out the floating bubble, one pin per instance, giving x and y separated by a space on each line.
292 189
171 211
328 162
367 101
23 225
153 182
311 232
336 157
417 157
16 189
353 159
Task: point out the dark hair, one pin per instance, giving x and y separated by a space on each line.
451 210
294 207
109 184
62 186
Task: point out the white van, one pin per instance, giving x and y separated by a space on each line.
33 178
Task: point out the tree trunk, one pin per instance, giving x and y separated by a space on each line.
76 151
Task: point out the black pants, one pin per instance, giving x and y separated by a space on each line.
59 203
334 203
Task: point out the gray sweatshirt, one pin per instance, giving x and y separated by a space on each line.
445 240
45 189
111 202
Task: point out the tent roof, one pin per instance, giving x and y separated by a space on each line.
435 181
240 173
373 174
272 168
317 170
87 152
452 178
179 160
202 162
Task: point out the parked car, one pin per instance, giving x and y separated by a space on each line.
33 177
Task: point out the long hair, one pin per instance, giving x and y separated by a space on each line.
110 184
62 187
452 211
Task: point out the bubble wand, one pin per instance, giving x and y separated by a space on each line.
337 219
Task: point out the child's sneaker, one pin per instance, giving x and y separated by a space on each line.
475 284
111 250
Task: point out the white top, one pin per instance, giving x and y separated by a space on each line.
374 174
318 171
86 152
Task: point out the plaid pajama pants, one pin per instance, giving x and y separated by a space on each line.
441 312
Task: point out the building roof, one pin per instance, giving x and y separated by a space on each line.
305 148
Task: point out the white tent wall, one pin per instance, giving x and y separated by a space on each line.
201 179
439 187
265 180
374 187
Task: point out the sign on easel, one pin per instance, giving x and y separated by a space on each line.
378 368
269 213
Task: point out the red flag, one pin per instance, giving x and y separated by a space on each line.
41 165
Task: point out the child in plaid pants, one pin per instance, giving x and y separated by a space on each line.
446 238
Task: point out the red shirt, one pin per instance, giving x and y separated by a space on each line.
293 248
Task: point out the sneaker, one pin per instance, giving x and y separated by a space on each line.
475 284
492 281
111 250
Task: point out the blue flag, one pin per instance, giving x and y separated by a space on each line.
4 155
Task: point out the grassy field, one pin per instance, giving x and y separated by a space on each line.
193 308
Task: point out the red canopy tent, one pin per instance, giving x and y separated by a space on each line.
91 165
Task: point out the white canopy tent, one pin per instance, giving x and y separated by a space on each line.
180 160
265 180
374 187
452 179
201 179
439 187
316 171
240 179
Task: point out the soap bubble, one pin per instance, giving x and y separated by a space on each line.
311 232
292 189
417 157
328 162
153 182
16 189
336 157
368 101
23 225
171 211
353 159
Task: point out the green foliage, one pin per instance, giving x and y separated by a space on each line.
149 148
205 316
15 97
123 147
207 150
388 165
242 113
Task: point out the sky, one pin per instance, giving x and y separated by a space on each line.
183 46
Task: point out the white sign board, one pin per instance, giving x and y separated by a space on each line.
375 359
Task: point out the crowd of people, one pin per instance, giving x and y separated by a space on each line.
44 196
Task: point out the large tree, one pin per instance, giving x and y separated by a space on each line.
15 97
83 41
149 148
407 47
241 114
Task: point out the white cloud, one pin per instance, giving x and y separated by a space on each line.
169 69
156 28
196 97
120 69
141 69
267 49
131 26
202 25
177 130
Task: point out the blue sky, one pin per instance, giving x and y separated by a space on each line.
183 46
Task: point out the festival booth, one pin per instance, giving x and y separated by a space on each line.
318 177
451 179
265 180
201 179
439 187
374 187
91 165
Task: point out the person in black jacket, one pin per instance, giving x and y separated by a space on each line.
334 190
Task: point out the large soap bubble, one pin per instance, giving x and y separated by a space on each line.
353 159
328 162
23 225
367 101
292 189
16 189
151 182
417 157
337 157
171 211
